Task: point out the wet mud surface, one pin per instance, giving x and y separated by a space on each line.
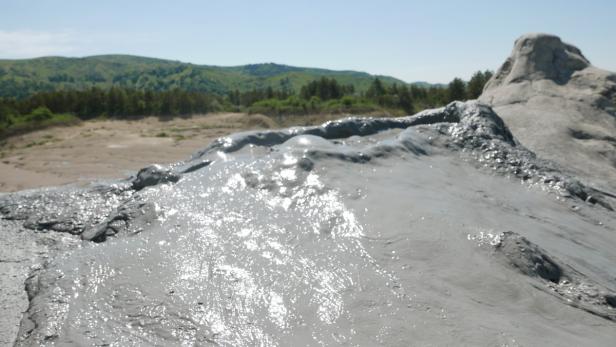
434 229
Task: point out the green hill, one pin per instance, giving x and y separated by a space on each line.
21 78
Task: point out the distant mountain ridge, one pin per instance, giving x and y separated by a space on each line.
21 78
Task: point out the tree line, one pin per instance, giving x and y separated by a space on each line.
318 96
116 102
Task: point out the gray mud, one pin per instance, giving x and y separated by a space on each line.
433 229
559 106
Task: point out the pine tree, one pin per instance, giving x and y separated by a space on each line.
376 89
405 99
456 90
477 83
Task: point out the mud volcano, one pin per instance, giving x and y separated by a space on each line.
439 228
559 105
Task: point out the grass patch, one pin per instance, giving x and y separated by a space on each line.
260 121
40 118
295 106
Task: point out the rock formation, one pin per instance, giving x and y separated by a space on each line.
559 106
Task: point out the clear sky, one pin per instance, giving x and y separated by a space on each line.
429 40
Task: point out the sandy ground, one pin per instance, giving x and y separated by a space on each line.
110 148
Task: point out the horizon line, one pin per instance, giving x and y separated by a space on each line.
220 66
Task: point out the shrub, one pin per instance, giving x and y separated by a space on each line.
40 114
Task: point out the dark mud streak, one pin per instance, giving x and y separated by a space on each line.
154 175
67 210
583 135
560 280
128 218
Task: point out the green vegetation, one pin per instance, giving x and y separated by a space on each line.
456 90
325 95
22 78
12 123
477 82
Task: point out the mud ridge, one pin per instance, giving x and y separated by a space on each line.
558 279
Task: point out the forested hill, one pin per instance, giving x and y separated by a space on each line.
21 78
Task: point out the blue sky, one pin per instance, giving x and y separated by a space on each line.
413 40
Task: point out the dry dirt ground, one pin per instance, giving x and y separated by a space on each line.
110 148
107 149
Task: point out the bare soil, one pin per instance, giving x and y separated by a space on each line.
106 149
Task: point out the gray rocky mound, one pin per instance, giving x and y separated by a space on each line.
559 106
